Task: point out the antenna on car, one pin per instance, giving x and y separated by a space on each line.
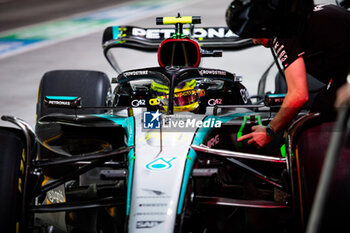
178 21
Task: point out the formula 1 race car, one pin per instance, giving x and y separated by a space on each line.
159 152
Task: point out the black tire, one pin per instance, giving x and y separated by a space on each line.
312 143
12 166
92 86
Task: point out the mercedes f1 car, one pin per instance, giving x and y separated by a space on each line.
159 151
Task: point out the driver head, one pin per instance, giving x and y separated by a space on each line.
186 95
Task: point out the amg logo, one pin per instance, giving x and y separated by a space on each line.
147 224
211 72
134 73
59 102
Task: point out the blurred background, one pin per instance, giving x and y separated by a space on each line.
37 36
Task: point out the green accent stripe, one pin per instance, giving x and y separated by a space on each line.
283 150
240 131
258 119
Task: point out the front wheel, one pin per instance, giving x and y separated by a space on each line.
94 89
12 167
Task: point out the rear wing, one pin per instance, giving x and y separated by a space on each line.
149 39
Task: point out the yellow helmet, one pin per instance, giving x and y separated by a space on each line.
186 96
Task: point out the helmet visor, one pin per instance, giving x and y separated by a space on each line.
182 98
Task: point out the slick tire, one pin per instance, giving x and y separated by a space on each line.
311 149
92 86
12 164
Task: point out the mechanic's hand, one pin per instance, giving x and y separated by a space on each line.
343 96
258 137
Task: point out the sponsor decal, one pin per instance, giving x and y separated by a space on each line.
211 72
213 141
152 197
153 205
153 194
213 102
279 48
63 101
153 191
57 102
164 33
160 164
135 73
153 33
147 224
185 93
150 213
137 103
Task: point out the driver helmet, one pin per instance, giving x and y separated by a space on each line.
186 95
